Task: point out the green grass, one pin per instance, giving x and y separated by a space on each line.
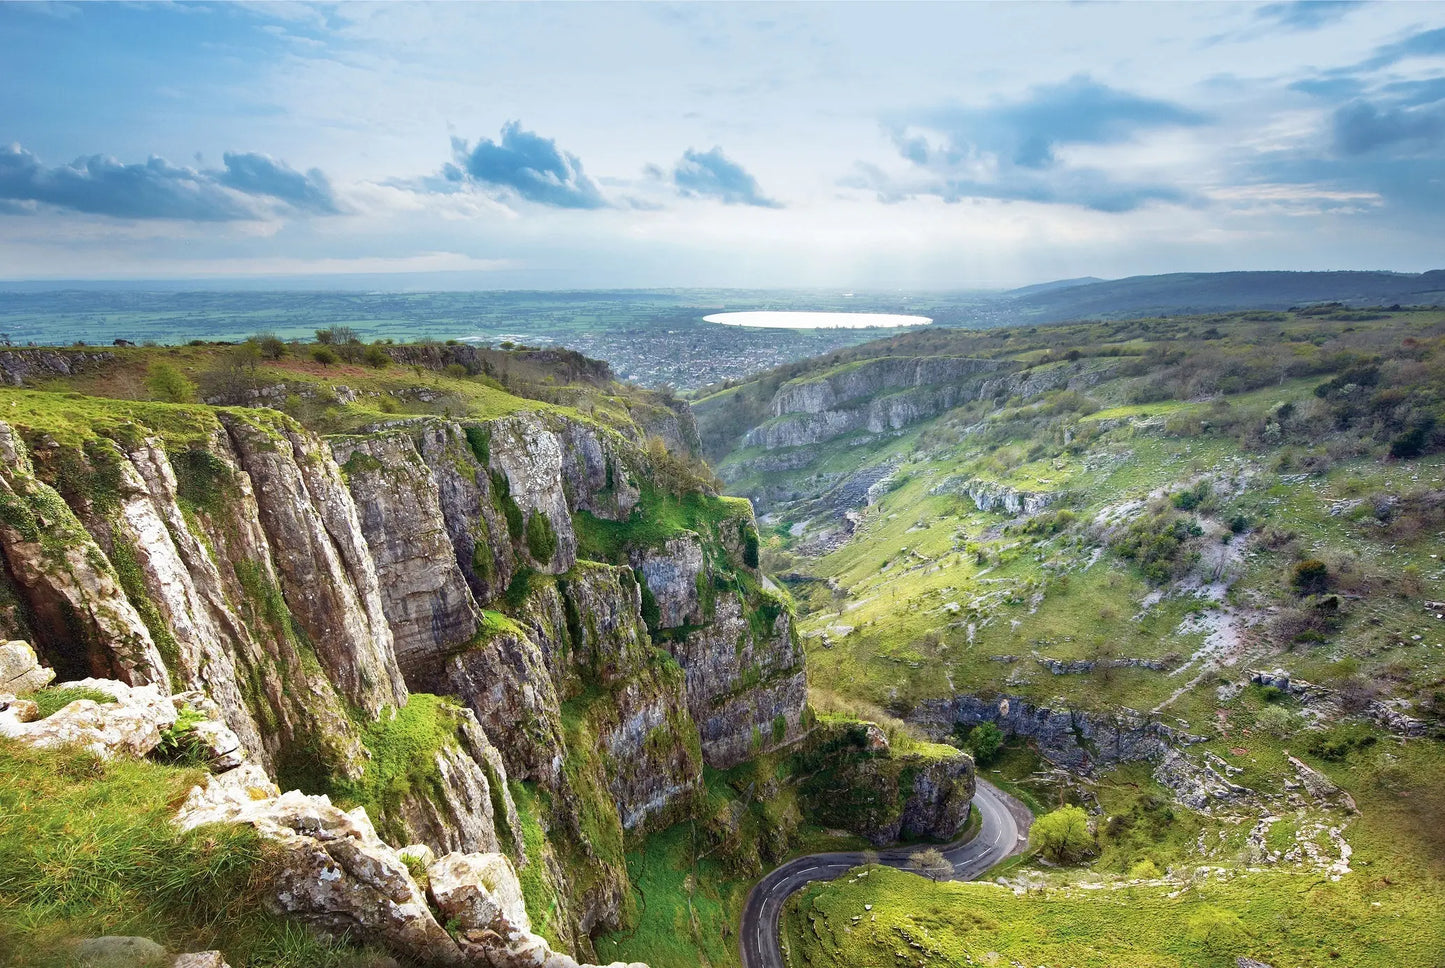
1279 918
52 700
89 849
688 905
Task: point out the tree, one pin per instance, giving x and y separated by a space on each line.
1063 835
272 347
376 357
984 742
930 863
323 355
167 383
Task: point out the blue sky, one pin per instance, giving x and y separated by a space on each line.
598 145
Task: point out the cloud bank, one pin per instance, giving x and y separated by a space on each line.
250 186
526 164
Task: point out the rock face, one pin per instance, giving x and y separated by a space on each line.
992 496
852 780
875 396
293 592
424 595
1077 741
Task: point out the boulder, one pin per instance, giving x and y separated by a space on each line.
130 726
200 959
216 741
20 670
331 870
119 951
479 892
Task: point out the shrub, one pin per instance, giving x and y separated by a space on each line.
376 357
323 355
272 347
750 548
169 384
455 370
541 538
984 741
1310 577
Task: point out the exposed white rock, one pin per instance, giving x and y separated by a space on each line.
478 892
132 725
20 670
332 870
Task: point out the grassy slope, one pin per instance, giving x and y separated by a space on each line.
923 567
89 849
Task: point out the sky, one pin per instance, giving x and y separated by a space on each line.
602 145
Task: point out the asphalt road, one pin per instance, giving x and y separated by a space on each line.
1004 831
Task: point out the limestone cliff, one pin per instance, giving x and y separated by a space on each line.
597 615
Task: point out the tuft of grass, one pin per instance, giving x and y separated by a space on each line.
52 699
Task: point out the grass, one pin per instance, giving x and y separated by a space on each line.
89 850
1279 918
52 699
688 905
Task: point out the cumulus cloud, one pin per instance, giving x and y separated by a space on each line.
524 163
1306 14
1010 150
256 174
711 174
247 188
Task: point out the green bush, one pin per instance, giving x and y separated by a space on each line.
1310 577
376 357
168 384
541 538
323 355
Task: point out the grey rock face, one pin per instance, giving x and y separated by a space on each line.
672 573
938 803
327 572
529 453
476 527
741 687
73 591
423 593
877 396
1077 741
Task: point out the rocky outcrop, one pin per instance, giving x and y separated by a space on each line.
938 802
745 681
851 779
424 594
876 396
327 572
294 591
20 670
131 725
992 496
74 595
329 867
21 366
1078 741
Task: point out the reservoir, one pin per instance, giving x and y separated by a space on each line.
790 320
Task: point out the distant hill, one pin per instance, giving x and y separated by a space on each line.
1054 286
1196 292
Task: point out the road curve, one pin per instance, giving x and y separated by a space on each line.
1003 831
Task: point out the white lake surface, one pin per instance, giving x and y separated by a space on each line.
793 320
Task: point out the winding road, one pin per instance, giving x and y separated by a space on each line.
1003 832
